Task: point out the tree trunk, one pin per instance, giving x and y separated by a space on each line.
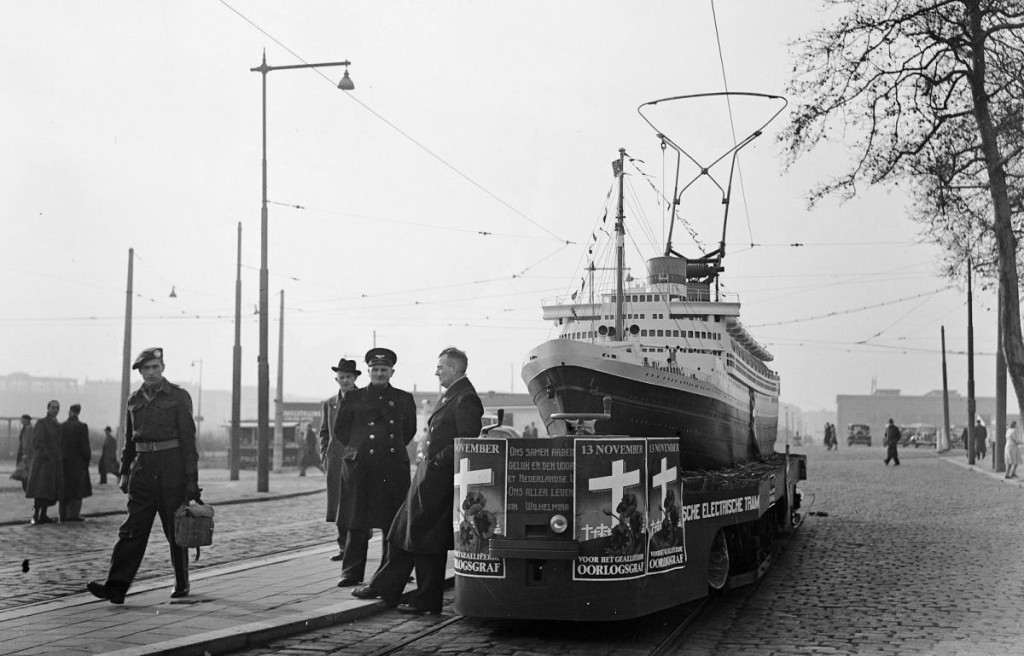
1006 241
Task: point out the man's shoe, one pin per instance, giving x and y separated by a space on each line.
43 520
338 556
409 609
348 582
74 519
365 592
104 591
180 592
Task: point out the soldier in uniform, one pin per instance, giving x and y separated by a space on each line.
374 426
159 471
423 533
330 449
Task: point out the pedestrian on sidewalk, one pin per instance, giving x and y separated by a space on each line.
310 451
46 475
422 533
23 462
75 455
980 439
108 457
374 426
1014 439
892 441
345 375
159 472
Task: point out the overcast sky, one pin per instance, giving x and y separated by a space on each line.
429 207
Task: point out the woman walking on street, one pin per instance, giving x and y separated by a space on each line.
1014 438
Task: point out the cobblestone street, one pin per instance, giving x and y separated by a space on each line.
924 558
921 559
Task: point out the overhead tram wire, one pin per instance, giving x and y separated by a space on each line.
837 313
378 219
394 127
732 126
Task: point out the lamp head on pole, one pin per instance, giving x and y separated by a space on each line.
346 83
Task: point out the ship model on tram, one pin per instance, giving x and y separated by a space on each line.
658 481
670 352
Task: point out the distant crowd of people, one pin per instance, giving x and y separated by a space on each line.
53 460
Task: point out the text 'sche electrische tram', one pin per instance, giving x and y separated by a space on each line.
600 527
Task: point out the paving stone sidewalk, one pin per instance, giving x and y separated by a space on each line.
231 607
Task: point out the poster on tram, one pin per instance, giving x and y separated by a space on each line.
478 513
610 500
666 548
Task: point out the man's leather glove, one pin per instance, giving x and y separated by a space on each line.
122 483
192 490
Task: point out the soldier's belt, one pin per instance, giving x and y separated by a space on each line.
157 446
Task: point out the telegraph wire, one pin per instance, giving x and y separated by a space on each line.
377 219
397 129
837 313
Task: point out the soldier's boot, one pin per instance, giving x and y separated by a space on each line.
179 558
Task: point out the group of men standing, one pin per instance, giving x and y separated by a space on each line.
363 440
53 458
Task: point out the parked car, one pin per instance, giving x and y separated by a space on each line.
925 435
858 434
907 434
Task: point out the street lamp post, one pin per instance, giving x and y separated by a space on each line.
199 408
263 366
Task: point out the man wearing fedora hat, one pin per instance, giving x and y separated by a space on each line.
159 472
330 449
374 426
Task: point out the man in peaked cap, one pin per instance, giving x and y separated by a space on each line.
374 425
159 472
331 449
422 534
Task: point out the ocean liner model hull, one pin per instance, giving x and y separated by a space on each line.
719 423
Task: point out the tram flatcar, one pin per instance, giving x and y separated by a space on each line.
589 527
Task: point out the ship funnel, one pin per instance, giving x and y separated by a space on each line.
678 270
667 269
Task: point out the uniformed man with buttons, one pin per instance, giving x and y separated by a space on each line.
374 425
159 472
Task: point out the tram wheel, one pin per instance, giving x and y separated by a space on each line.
718 562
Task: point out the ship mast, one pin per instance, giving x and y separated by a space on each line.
620 247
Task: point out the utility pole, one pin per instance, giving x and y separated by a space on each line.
970 369
279 401
945 396
126 356
236 369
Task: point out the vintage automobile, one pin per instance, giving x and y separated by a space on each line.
858 434
924 435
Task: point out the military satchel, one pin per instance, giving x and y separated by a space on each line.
193 525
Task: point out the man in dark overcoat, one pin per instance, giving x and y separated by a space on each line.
374 427
330 449
75 454
24 457
423 533
892 442
108 457
159 472
46 473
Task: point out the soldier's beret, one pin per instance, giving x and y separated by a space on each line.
377 356
152 353
346 367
